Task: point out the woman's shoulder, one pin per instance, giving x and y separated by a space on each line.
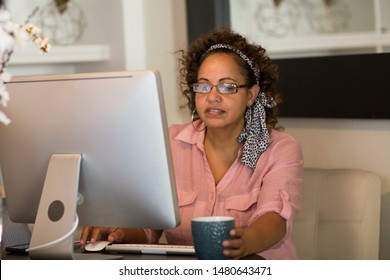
176 129
280 138
283 148
281 135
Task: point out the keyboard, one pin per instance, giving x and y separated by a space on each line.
155 249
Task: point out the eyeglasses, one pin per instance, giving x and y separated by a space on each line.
222 88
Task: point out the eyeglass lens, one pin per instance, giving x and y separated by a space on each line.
224 88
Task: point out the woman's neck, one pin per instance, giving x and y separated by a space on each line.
221 151
224 137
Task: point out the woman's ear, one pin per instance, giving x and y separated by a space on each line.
253 92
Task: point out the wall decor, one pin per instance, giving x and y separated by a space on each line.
327 16
63 21
277 17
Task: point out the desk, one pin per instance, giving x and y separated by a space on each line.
100 256
7 256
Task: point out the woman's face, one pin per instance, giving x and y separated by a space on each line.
218 110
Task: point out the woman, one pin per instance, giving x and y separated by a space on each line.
230 160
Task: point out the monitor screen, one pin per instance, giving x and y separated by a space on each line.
116 122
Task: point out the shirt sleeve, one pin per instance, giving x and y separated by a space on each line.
153 236
280 190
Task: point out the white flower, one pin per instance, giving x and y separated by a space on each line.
5 15
5 76
34 32
6 43
6 47
4 97
32 29
4 119
18 32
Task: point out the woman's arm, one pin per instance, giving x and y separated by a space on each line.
262 234
277 203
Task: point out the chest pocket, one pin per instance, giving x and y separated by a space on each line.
242 206
186 198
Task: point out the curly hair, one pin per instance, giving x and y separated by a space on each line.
191 60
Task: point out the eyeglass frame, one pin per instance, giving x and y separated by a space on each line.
235 85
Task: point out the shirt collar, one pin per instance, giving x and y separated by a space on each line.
191 136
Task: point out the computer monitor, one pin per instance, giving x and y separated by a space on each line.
95 144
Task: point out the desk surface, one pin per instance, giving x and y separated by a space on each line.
99 256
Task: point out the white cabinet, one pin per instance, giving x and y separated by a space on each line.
291 28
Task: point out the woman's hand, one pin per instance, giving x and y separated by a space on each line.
235 248
262 234
92 234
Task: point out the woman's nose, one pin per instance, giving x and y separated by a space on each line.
214 95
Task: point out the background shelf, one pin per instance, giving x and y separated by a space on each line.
61 54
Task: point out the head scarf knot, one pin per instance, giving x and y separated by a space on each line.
255 135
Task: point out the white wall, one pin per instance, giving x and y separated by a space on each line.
153 34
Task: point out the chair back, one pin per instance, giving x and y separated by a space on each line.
340 215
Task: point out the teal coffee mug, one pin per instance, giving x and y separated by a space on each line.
208 234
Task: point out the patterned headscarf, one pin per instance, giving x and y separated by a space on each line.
255 135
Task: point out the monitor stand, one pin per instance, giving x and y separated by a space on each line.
56 221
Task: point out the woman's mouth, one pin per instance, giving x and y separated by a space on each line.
214 111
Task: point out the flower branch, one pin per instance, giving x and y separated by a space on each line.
11 33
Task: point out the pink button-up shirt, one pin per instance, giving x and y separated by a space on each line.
244 193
